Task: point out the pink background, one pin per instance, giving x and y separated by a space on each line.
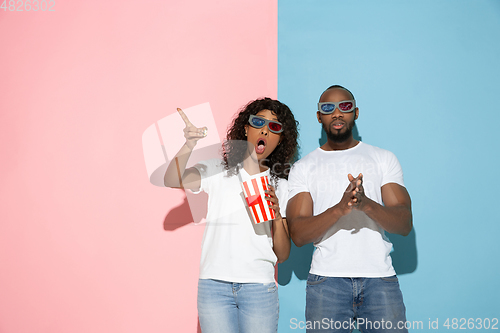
87 244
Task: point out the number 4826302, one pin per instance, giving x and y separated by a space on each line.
28 5
471 323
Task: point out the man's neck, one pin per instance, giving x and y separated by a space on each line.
333 145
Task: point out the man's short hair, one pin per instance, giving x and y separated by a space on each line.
337 86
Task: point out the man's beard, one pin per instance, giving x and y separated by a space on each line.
339 137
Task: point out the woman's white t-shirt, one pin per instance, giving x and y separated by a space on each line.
235 249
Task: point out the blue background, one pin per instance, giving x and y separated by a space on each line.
426 77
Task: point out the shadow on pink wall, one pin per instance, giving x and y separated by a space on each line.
178 217
181 215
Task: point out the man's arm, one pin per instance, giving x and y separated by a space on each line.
306 228
395 215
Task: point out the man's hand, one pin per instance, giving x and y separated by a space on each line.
345 203
394 216
359 197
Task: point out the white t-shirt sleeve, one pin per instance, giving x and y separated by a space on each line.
282 194
207 169
393 172
297 181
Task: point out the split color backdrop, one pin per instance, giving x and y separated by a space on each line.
88 244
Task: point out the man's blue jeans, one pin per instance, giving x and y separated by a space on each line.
373 305
226 307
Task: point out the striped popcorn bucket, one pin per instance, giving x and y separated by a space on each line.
253 190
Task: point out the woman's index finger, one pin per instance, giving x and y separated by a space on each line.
184 117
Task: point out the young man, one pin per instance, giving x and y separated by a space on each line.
344 196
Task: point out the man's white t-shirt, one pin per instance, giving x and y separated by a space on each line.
355 246
235 249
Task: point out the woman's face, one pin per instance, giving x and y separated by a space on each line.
262 139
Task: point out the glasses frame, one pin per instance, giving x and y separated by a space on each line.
336 106
266 123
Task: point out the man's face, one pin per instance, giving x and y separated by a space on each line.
337 125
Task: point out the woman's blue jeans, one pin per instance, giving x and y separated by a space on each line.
226 307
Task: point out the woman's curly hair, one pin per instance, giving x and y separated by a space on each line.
279 161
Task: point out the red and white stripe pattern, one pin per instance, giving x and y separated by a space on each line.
254 194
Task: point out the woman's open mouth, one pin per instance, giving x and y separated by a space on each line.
261 146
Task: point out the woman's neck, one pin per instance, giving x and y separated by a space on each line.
252 165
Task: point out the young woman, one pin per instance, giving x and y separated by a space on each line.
236 289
